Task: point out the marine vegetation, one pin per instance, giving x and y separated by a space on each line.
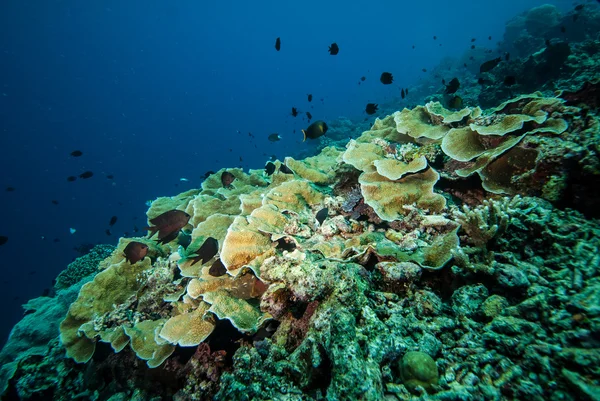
442 254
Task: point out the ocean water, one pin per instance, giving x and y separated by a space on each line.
155 94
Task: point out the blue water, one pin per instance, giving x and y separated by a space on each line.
155 91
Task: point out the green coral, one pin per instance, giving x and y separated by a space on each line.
83 266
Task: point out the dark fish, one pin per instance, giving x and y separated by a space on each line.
207 174
309 97
135 229
85 175
107 232
452 86
371 108
135 251
10 189
308 116
386 78
424 70
579 7
472 47
294 111
285 169
406 91
112 221
270 168
274 137
334 49
273 157
402 94
168 223
455 103
76 153
315 130
3 239
226 179
507 57
110 176
363 78
490 37
71 178
413 46
473 40
56 240
217 269
510 80
490 64
54 202
443 81
322 215
434 37
207 251
278 44
563 29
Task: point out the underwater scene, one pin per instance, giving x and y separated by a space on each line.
297 201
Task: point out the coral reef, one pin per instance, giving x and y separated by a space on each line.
423 278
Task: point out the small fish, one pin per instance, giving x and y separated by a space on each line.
183 179
363 78
563 29
472 47
309 97
490 37
207 251
72 230
510 80
226 179
107 232
579 7
54 202
10 189
294 111
386 78
71 178
207 174
55 240
473 40
452 86
135 251
135 229
168 223
507 57
110 176
112 221
86 175
273 157
76 153
285 169
402 94
308 116
278 44
270 168
3 239
322 215
406 91
455 103
315 130
434 37
334 49
371 108
490 64
217 269
274 137
424 69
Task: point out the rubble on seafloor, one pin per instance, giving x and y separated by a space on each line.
456 258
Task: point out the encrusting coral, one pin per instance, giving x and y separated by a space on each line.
329 307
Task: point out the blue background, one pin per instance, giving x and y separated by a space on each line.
152 91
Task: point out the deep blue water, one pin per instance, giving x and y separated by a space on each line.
153 91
